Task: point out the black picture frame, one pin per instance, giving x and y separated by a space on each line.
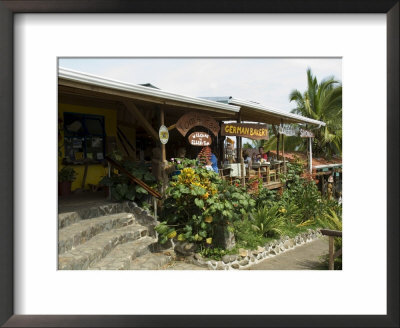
7 10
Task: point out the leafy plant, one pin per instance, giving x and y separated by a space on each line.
121 187
214 253
197 201
189 195
66 174
245 235
303 193
268 221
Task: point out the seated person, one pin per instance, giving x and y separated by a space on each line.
181 153
214 163
262 154
246 157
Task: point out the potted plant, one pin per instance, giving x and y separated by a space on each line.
65 177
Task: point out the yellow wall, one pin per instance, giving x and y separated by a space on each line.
95 171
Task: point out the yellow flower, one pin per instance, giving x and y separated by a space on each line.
172 234
209 240
205 196
208 219
282 210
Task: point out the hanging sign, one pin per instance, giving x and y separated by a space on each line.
251 131
306 134
163 134
288 130
199 139
192 119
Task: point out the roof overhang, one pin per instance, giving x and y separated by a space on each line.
71 79
253 111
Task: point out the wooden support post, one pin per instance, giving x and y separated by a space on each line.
268 177
163 152
331 251
109 175
240 155
155 207
131 107
283 153
277 145
310 153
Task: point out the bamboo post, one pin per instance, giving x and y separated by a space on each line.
310 153
155 207
240 155
283 153
331 251
277 145
109 175
268 177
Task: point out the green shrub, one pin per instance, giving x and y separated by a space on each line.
66 174
197 201
303 193
245 235
123 189
187 214
268 221
214 253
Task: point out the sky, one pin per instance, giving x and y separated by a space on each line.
268 81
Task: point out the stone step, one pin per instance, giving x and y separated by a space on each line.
142 215
151 261
87 254
122 255
82 231
84 213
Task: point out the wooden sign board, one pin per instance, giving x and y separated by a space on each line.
306 134
289 131
192 119
251 131
200 139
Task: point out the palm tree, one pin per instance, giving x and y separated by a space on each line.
322 102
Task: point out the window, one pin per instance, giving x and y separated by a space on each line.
84 137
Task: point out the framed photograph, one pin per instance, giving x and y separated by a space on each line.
35 34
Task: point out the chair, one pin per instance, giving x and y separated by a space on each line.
271 173
225 173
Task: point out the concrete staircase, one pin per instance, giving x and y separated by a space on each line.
114 236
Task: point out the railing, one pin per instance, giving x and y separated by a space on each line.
151 191
267 173
332 255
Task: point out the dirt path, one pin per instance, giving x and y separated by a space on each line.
305 257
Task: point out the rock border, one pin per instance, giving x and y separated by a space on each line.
247 258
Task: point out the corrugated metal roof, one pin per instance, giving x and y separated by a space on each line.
251 110
90 79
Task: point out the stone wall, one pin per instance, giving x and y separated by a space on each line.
246 258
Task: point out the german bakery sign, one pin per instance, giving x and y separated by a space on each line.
251 131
